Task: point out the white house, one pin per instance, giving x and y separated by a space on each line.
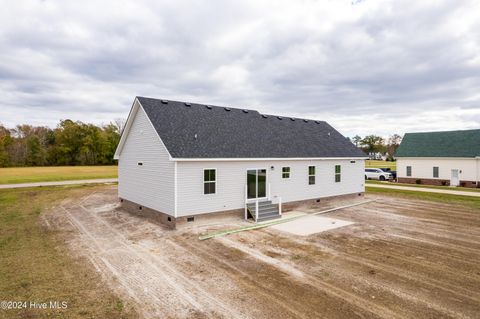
181 162
440 158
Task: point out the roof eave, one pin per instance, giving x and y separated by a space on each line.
234 159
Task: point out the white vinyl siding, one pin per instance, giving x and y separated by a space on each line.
231 179
422 167
151 183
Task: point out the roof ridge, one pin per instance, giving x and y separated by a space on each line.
235 108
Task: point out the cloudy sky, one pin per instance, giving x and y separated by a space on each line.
366 67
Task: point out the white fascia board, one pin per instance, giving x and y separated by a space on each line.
266 159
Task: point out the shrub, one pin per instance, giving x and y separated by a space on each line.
418 181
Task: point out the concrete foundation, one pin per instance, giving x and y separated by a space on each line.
222 216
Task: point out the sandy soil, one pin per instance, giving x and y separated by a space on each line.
401 259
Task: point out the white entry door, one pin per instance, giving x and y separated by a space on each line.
454 180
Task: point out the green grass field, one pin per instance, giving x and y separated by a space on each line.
15 175
381 164
36 265
474 202
463 189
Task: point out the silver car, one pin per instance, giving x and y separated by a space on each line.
377 173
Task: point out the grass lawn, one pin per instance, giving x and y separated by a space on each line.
436 197
381 164
36 266
15 175
453 188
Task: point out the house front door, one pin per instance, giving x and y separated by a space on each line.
454 179
256 183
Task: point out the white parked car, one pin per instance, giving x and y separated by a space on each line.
377 173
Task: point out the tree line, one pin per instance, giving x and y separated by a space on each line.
70 143
377 144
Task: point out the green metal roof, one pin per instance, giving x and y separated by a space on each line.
440 144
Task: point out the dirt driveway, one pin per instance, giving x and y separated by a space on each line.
400 259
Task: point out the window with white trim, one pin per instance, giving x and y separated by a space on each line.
311 175
338 173
435 171
209 181
409 171
285 172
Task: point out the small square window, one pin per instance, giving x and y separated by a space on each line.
285 172
190 219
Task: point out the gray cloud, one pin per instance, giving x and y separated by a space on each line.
373 67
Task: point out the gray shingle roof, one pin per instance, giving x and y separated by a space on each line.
440 144
192 130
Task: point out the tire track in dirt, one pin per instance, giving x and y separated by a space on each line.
248 283
136 285
419 230
392 215
266 292
359 302
334 267
430 223
431 209
443 267
175 279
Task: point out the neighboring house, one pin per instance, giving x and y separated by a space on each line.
182 161
440 158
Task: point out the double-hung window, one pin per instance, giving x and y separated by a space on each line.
285 172
311 175
338 173
209 181
435 171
